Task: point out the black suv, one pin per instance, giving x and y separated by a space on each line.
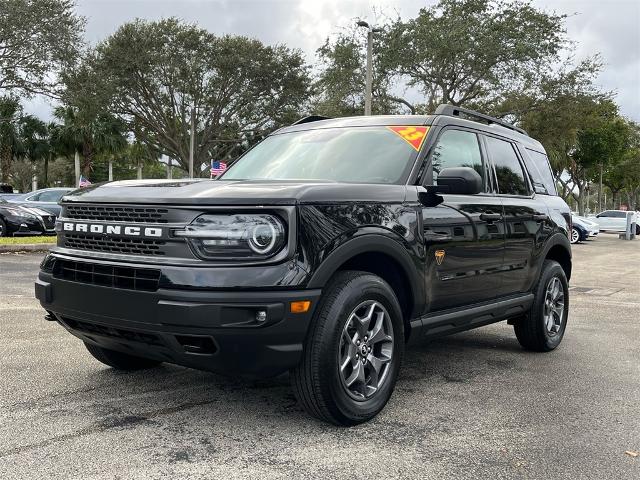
321 251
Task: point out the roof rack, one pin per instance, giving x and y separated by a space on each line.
453 111
310 118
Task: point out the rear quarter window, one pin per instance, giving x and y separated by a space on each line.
540 171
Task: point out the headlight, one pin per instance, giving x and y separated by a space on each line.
22 214
235 236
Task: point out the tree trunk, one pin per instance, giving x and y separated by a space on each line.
77 167
45 176
5 162
581 197
34 177
139 170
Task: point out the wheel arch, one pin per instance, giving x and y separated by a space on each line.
381 256
559 249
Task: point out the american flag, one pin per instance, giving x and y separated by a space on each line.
217 168
84 182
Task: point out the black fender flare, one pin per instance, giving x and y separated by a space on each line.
373 243
555 240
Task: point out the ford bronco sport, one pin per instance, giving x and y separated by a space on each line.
321 251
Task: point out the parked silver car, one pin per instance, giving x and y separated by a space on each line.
45 198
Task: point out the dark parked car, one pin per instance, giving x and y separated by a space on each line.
18 220
46 199
322 251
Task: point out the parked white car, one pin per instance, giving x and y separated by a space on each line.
614 221
592 227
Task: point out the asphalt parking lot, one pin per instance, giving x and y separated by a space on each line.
473 405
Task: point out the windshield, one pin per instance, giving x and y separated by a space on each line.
353 154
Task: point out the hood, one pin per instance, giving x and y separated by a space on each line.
233 192
13 207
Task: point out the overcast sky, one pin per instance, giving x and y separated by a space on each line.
610 27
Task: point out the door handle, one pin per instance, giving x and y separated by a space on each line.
490 217
540 217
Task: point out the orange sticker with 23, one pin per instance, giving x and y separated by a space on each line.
414 136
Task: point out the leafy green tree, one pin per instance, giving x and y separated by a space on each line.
163 75
340 86
474 51
566 104
10 113
88 134
34 140
603 145
38 39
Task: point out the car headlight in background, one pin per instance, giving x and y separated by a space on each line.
235 236
22 214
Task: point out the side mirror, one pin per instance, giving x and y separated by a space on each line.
459 181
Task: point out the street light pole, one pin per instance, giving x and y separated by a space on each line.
192 139
369 75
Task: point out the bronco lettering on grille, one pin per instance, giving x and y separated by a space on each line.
130 231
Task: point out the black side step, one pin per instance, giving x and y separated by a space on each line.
452 321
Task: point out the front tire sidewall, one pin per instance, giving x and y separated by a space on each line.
345 409
552 270
575 236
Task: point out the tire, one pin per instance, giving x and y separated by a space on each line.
319 382
119 360
3 229
575 235
536 332
637 230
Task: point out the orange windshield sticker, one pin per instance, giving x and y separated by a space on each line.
414 136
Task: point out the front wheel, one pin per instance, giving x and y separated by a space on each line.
543 327
3 229
575 235
353 351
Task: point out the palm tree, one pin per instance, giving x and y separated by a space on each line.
88 135
35 142
10 113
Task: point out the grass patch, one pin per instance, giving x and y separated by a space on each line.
27 240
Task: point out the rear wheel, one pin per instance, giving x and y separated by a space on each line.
119 360
353 351
543 327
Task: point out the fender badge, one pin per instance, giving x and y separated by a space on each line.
439 256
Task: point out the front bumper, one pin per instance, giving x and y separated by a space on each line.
209 330
27 226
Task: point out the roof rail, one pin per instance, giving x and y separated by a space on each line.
453 111
310 118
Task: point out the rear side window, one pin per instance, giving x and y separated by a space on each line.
456 148
538 165
50 196
511 180
612 214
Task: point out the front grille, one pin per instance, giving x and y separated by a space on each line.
137 246
49 222
129 278
113 332
117 213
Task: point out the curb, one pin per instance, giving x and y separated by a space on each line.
26 247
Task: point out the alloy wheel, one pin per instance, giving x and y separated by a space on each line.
554 306
575 235
366 350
